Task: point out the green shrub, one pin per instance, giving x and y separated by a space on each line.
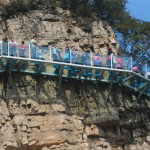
22 5
13 7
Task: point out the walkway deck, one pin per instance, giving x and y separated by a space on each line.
74 69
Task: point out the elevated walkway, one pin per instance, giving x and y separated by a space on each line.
75 65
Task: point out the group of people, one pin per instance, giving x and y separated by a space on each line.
71 55
20 49
13 46
86 58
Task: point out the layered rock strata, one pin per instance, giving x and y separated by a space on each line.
61 28
37 114
33 115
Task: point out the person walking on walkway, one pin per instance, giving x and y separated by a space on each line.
33 43
12 47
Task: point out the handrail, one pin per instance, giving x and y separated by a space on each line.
74 58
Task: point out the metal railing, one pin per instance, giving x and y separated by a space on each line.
72 57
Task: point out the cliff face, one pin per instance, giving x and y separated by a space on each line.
58 26
33 115
37 114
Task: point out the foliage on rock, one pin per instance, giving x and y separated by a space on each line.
13 7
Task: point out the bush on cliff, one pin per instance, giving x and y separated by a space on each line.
13 7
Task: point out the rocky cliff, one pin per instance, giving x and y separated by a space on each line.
36 114
60 27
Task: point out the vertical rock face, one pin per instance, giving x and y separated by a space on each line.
33 116
61 28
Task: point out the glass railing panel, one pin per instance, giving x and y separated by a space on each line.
66 55
59 55
34 52
120 63
23 51
77 57
99 60
127 63
62 55
42 53
13 49
108 61
5 48
139 67
83 58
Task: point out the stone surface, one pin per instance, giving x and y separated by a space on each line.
33 117
40 121
61 29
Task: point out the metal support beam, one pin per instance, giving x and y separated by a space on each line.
111 84
142 86
25 62
102 72
20 65
128 78
9 71
59 81
26 65
41 67
121 76
81 72
60 72
139 96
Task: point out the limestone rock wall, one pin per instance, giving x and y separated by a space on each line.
61 28
37 114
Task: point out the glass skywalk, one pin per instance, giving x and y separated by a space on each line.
76 65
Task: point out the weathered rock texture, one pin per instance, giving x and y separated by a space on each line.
59 27
33 115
